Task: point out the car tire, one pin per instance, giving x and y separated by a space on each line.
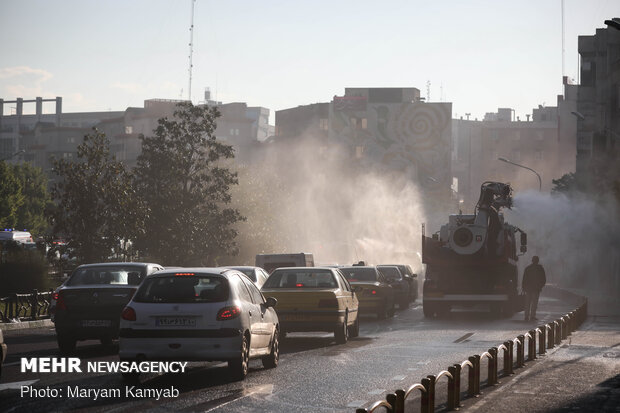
404 303
354 330
342 332
391 311
428 309
66 343
239 366
271 361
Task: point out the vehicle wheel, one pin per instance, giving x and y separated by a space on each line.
428 309
271 361
404 303
66 343
342 332
391 311
355 328
239 366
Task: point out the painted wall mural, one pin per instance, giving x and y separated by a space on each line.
413 138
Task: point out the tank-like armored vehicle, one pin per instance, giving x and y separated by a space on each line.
472 260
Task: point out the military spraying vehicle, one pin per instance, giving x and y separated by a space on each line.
472 260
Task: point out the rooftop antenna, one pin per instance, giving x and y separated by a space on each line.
428 90
191 52
563 48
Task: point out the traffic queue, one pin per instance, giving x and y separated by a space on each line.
231 314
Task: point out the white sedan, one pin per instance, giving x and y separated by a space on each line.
200 314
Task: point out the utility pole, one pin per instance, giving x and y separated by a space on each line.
191 52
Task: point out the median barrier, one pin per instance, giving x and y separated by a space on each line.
23 307
549 335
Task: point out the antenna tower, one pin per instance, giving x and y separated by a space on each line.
428 90
191 52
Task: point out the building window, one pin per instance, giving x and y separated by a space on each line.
364 123
323 124
71 140
128 129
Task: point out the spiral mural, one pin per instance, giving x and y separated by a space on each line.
413 138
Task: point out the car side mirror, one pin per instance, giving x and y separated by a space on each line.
270 302
414 275
133 278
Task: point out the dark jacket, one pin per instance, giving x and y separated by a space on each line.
533 278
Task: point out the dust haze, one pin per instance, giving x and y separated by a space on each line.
302 197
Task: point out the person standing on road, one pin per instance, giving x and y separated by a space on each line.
534 280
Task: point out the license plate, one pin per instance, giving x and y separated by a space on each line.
176 322
96 323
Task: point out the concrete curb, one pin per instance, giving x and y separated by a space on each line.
26 324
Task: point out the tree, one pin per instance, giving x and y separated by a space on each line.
96 204
184 185
31 215
11 197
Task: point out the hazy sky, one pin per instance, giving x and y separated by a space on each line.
108 55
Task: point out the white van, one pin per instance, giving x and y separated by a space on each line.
270 262
17 236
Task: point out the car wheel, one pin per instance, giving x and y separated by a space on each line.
404 303
428 309
271 361
391 311
239 366
66 343
342 332
355 328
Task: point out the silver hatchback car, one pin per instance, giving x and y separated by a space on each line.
200 314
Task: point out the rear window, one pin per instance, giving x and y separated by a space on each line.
306 278
359 274
103 275
183 289
391 273
249 273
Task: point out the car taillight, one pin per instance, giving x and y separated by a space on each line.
228 313
128 314
370 292
60 303
328 303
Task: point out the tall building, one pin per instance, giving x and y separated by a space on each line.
598 104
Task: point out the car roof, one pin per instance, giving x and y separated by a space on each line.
200 270
355 267
239 267
121 263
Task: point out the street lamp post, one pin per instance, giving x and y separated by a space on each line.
524 167
15 154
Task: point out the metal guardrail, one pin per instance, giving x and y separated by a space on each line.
549 335
21 307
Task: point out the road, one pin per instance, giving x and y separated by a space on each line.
314 374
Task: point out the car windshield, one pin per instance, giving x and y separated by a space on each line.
359 274
103 275
298 278
391 273
249 273
183 289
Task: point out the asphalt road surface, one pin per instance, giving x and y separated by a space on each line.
315 374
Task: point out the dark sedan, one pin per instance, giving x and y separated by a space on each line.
89 304
397 281
411 278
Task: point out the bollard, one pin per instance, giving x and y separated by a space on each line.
391 399
431 392
542 337
471 377
558 331
551 336
477 373
399 406
492 367
571 322
361 410
457 384
425 401
564 325
531 345
11 303
452 388
521 350
508 357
